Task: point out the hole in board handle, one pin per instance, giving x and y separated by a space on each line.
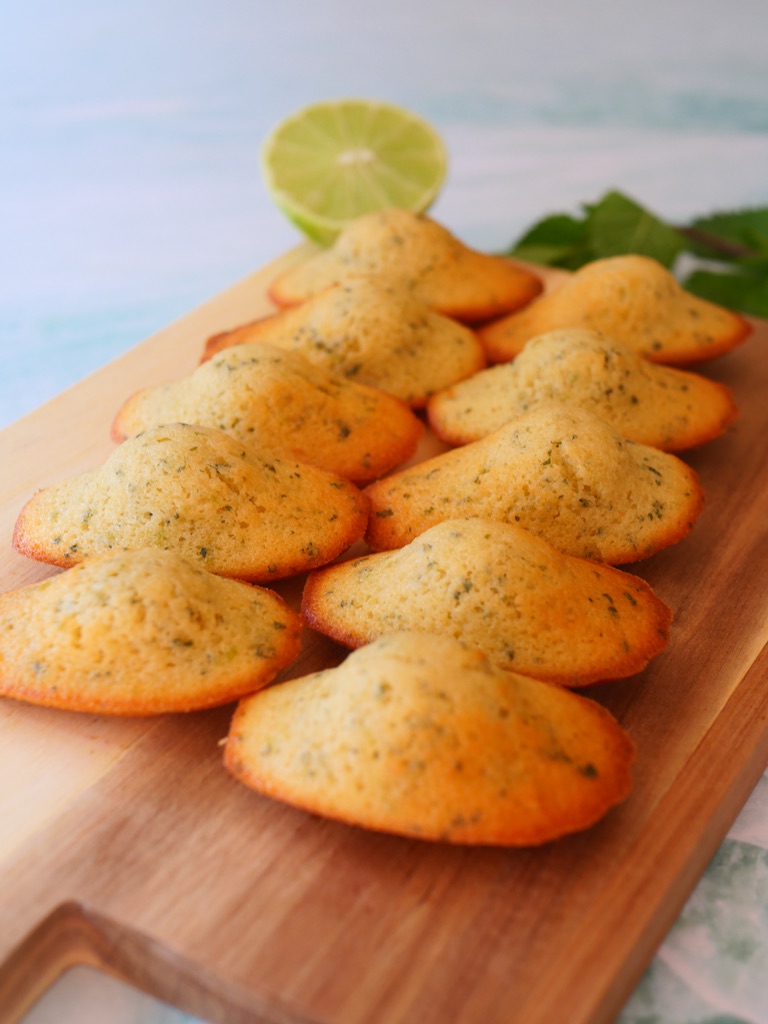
74 935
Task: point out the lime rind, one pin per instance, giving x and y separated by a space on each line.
331 162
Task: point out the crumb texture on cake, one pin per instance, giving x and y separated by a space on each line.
421 736
373 331
633 299
657 405
449 276
203 494
141 632
497 587
559 471
279 402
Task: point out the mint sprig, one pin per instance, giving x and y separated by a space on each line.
726 252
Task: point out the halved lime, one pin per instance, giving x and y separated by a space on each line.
331 162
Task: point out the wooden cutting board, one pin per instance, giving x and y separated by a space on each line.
124 843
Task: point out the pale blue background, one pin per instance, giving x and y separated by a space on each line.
130 131
130 192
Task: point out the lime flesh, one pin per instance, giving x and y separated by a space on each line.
332 162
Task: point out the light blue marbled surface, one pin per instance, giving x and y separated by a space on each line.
129 139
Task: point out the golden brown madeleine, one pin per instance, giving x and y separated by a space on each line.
421 736
141 633
657 405
224 506
634 300
559 471
497 587
278 402
445 274
373 332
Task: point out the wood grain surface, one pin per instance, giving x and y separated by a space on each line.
124 843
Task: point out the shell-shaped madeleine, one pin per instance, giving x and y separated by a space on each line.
661 406
279 402
447 275
421 736
497 587
141 633
199 492
561 472
634 300
372 331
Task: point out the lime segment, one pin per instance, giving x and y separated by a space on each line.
332 162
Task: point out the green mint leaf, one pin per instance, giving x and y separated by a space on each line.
558 240
560 228
617 225
731 236
748 227
568 257
745 292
